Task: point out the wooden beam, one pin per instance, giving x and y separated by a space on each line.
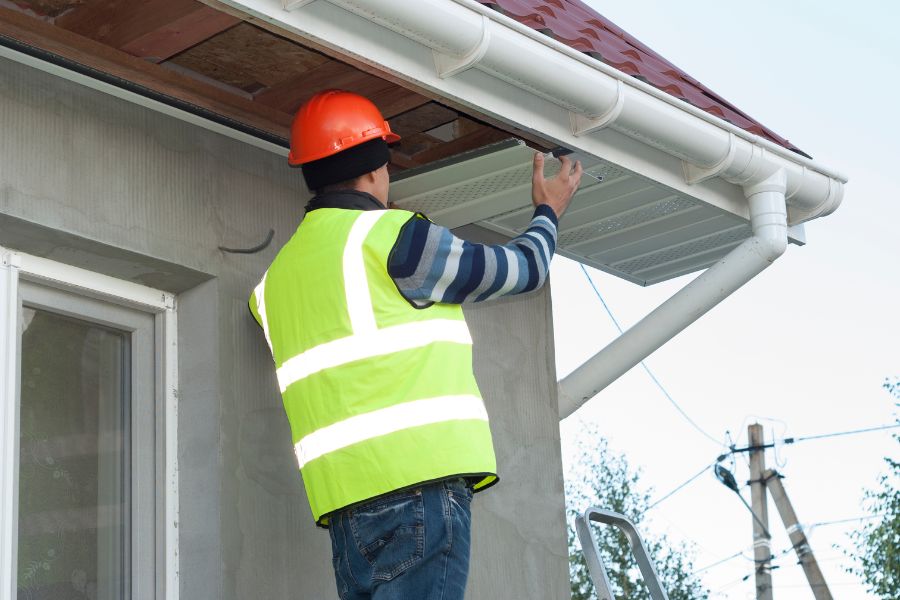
390 98
101 57
179 35
117 22
288 96
400 162
396 99
423 118
413 144
476 139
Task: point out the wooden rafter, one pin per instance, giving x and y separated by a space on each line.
486 135
179 35
394 99
421 148
152 29
289 95
117 22
422 118
101 57
390 99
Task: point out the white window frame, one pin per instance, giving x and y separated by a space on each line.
17 266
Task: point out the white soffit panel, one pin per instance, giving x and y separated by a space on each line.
619 222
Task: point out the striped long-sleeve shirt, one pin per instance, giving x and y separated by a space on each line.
430 264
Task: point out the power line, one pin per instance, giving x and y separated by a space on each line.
719 562
693 477
602 301
646 368
821 436
840 433
850 520
783 553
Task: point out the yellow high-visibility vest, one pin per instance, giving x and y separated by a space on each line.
380 394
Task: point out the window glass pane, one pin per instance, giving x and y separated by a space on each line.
73 459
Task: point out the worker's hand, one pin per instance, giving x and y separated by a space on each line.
558 191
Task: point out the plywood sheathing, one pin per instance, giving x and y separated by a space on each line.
249 58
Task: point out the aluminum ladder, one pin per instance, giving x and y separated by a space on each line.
592 553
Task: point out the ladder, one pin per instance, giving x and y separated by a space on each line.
592 553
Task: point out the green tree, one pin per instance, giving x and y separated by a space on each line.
877 552
596 476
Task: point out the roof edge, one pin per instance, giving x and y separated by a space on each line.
477 53
634 82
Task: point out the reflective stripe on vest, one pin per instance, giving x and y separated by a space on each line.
387 420
390 403
260 294
356 287
370 344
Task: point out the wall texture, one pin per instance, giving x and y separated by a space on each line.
95 181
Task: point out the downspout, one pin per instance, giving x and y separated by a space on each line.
768 220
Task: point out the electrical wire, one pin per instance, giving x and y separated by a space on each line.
643 364
823 436
850 520
782 554
731 584
808 529
719 562
672 493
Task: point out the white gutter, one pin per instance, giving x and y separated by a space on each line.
768 219
464 34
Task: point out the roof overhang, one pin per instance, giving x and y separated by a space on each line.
619 222
672 171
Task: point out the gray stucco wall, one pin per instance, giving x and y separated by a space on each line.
95 181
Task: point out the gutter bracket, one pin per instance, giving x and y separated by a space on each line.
694 174
448 66
290 5
583 125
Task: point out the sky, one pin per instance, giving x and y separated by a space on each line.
803 348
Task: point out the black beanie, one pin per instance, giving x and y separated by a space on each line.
347 164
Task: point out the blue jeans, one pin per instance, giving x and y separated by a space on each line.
408 545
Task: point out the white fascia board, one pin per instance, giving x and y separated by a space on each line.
478 58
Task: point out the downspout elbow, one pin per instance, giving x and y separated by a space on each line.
768 215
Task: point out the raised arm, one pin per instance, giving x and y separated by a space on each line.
430 264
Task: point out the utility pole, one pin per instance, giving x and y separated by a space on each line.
798 537
762 544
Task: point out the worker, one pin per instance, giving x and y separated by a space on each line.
361 311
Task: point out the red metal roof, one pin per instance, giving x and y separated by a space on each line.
581 27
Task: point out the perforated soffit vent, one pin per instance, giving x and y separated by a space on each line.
619 222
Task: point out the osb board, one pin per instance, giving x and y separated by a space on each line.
249 58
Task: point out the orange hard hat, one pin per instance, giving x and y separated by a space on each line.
332 121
